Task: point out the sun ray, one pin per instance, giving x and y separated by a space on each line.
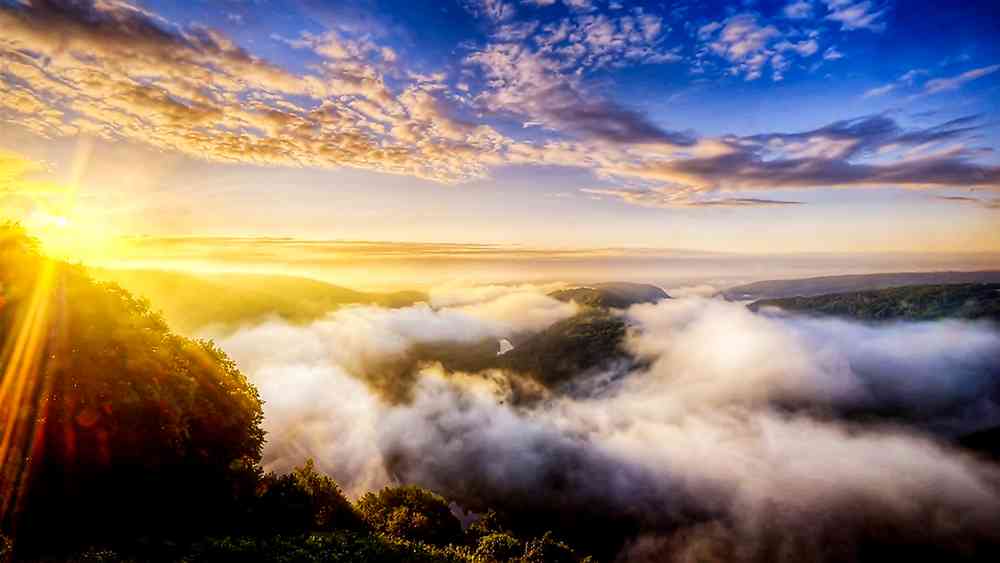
22 363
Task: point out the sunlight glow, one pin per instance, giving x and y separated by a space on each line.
66 238
20 405
64 229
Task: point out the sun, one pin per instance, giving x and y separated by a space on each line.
70 238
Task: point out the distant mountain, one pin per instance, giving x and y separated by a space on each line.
190 302
617 295
911 303
776 289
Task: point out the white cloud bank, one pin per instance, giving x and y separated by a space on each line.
735 435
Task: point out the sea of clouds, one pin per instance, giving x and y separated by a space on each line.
747 436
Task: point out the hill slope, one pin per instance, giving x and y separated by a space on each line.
911 303
108 400
570 347
190 302
807 287
618 295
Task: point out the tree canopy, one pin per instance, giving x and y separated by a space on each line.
111 411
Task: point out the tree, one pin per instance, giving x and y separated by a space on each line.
301 501
412 513
547 549
118 426
498 547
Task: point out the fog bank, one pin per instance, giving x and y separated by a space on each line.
756 436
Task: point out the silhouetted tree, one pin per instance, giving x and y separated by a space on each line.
119 427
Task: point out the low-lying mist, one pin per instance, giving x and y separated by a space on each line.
734 435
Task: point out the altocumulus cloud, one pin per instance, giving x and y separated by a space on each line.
123 72
112 69
866 152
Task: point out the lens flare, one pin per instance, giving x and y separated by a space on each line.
21 389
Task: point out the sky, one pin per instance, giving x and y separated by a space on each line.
753 127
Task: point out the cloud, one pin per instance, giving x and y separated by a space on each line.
494 10
869 151
122 73
268 252
115 71
844 153
910 76
804 48
798 9
832 54
526 82
988 203
750 45
700 290
13 169
110 70
955 82
27 196
379 346
856 15
741 40
879 91
521 311
665 198
462 295
345 50
579 5
706 31
773 446
538 73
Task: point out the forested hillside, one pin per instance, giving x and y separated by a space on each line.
617 295
123 441
808 287
911 303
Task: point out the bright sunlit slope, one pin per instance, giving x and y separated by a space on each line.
98 398
191 302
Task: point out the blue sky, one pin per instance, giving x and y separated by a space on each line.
926 38
798 126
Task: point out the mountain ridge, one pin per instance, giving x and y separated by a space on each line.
824 285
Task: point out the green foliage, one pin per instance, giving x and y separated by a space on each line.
488 523
303 500
329 507
547 549
618 295
335 547
910 303
498 546
588 340
412 513
139 423
853 283
569 347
